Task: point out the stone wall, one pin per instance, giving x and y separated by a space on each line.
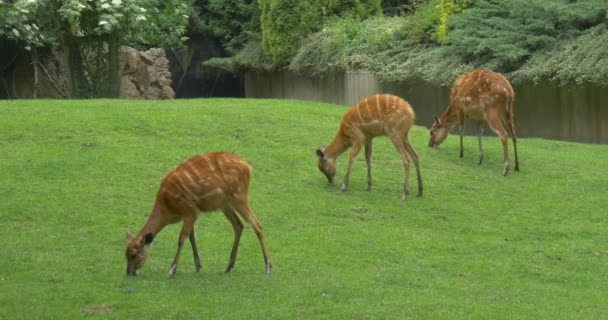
145 75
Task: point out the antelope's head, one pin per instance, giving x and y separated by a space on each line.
438 132
327 165
137 252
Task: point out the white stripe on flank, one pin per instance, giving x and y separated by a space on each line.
213 192
193 183
359 111
194 171
184 188
209 164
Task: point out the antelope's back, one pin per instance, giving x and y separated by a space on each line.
481 88
379 112
205 181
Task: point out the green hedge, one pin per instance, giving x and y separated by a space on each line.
286 22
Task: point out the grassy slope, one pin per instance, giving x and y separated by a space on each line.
75 174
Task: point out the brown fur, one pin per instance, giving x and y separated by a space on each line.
484 96
378 115
205 182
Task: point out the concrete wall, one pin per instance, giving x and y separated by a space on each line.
547 111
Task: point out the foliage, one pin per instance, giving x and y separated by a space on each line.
448 8
21 22
75 174
503 35
578 61
250 57
230 21
376 45
400 7
286 22
37 23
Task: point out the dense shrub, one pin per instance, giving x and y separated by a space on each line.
578 61
286 22
230 21
352 44
503 35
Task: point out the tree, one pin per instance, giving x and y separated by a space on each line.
286 22
90 33
448 8
230 21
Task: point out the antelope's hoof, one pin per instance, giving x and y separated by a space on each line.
172 271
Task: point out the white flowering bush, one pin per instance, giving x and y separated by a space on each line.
36 23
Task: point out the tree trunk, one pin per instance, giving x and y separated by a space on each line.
72 51
114 72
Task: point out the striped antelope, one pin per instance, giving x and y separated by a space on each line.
378 115
205 182
484 96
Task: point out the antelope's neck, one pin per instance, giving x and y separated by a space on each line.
449 117
154 224
338 146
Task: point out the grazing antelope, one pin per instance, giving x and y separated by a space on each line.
484 96
205 182
378 115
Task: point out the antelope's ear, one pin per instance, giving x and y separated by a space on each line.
437 120
321 152
129 235
147 239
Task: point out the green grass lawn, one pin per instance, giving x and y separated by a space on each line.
74 175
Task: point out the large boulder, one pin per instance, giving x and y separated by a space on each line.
145 74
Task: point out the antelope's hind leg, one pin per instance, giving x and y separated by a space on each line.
237 225
243 209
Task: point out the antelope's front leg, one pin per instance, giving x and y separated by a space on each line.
479 135
461 125
368 159
197 259
187 230
353 154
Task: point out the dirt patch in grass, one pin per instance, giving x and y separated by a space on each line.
103 308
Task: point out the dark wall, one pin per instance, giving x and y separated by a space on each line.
191 79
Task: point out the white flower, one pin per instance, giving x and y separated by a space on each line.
105 6
103 22
117 2
140 18
143 9
15 31
81 6
28 48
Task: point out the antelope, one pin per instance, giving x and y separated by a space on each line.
484 96
203 183
377 115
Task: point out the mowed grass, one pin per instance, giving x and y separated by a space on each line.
74 175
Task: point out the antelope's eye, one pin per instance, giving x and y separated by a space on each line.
133 256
